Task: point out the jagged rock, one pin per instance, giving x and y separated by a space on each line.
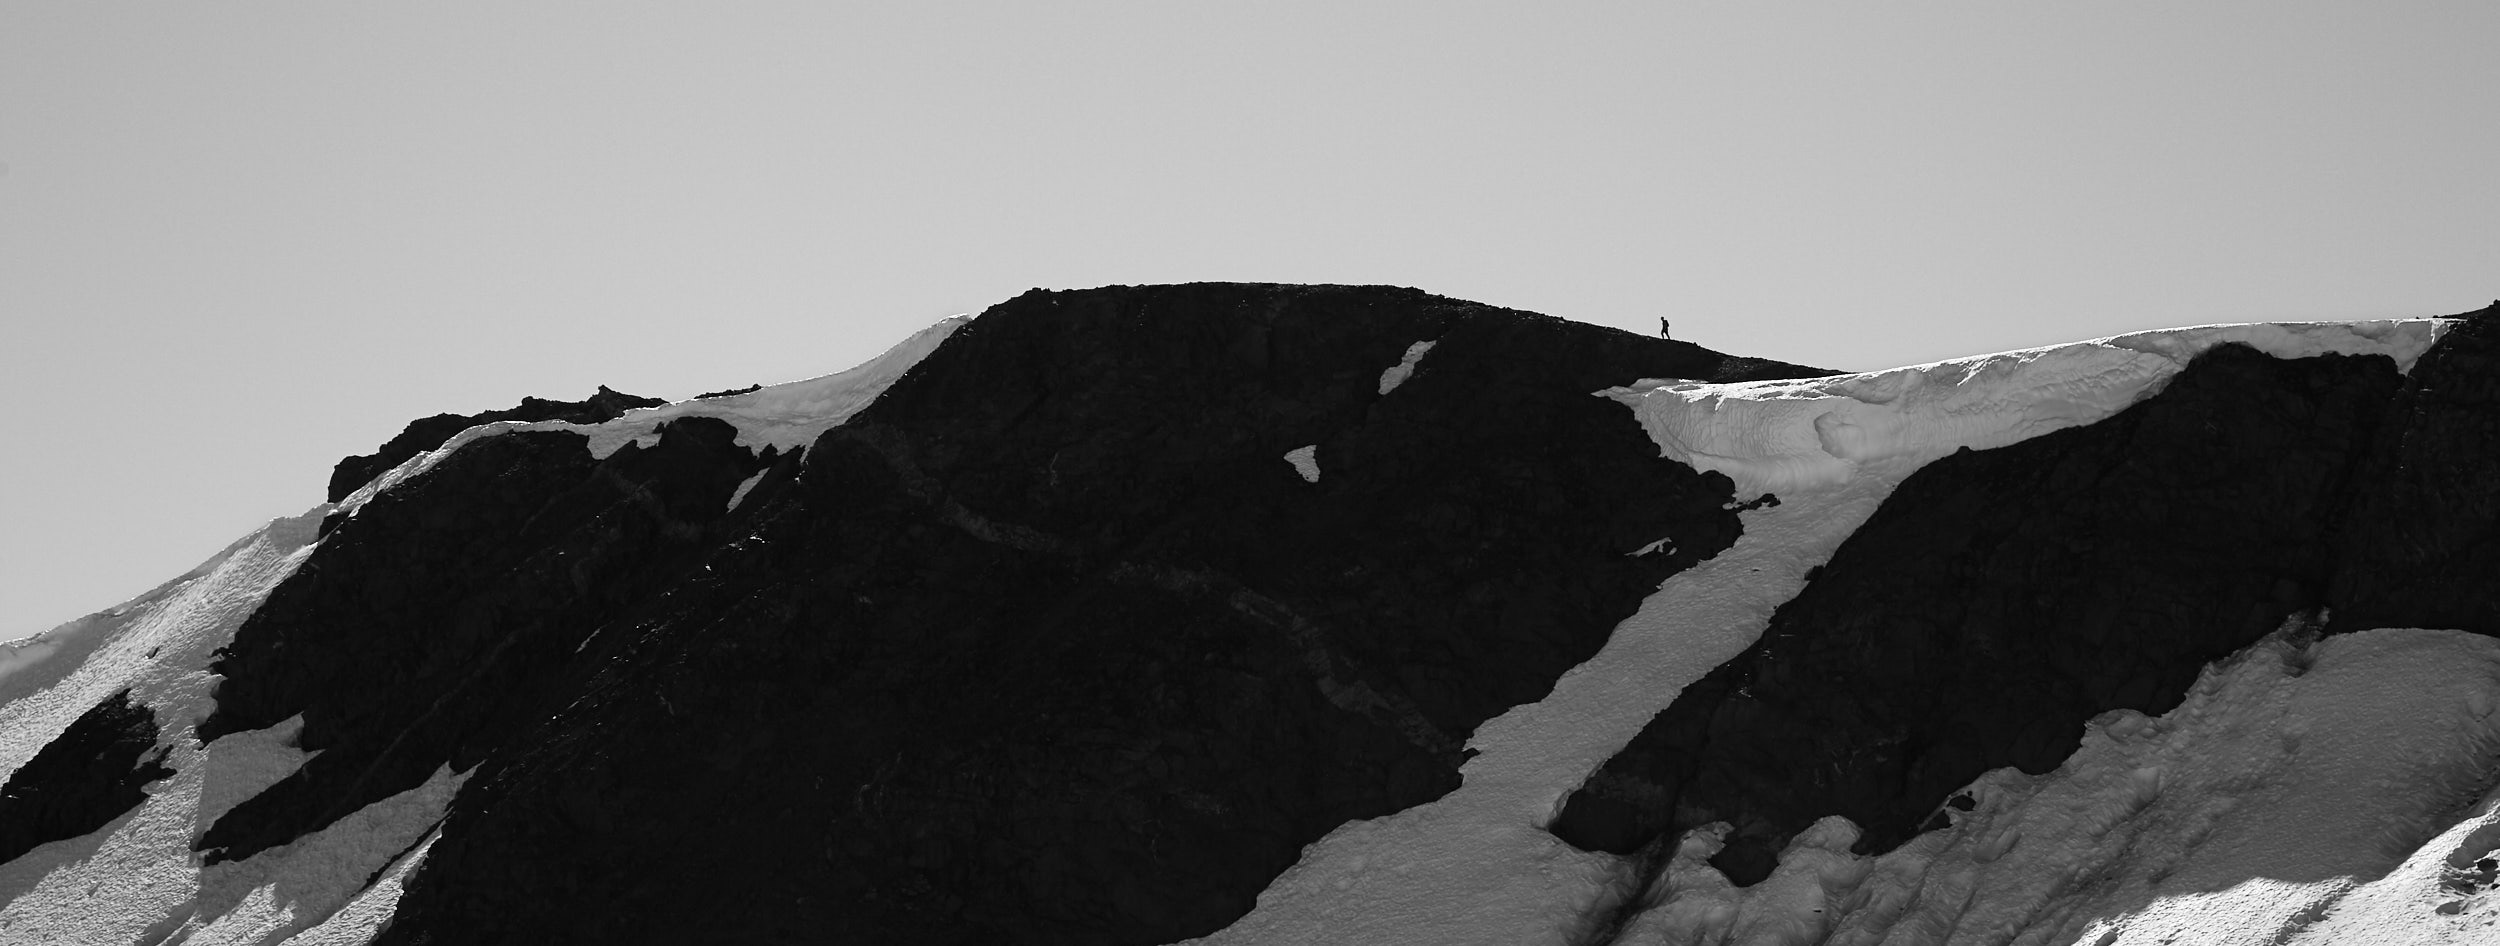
447 612
427 433
2420 542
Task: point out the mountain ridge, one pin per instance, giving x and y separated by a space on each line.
1081 621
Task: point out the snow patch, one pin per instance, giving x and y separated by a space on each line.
739 495
1781 436
1398 373
1305 461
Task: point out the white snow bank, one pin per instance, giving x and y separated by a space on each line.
1398 373
1476 866
788 416
1780 436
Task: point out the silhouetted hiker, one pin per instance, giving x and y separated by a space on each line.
1662 327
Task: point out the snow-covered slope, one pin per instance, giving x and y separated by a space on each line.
1784 436
1077 493
137 879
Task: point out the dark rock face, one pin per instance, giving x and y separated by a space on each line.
1049 644
91 774
2001 598
427 433
2421 539
428 627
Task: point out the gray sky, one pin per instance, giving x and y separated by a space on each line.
238 241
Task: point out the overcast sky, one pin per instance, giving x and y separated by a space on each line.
241 240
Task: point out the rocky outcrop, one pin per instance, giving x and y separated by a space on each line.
427 433
1048 644
92 773
2000 598
2420 544
449 611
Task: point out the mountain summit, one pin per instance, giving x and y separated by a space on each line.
1329 614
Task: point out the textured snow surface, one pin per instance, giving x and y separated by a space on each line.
789 416
1779 436
136 880
1476 866
2291 773
2245 817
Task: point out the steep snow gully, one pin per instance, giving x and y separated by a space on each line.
1278 614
